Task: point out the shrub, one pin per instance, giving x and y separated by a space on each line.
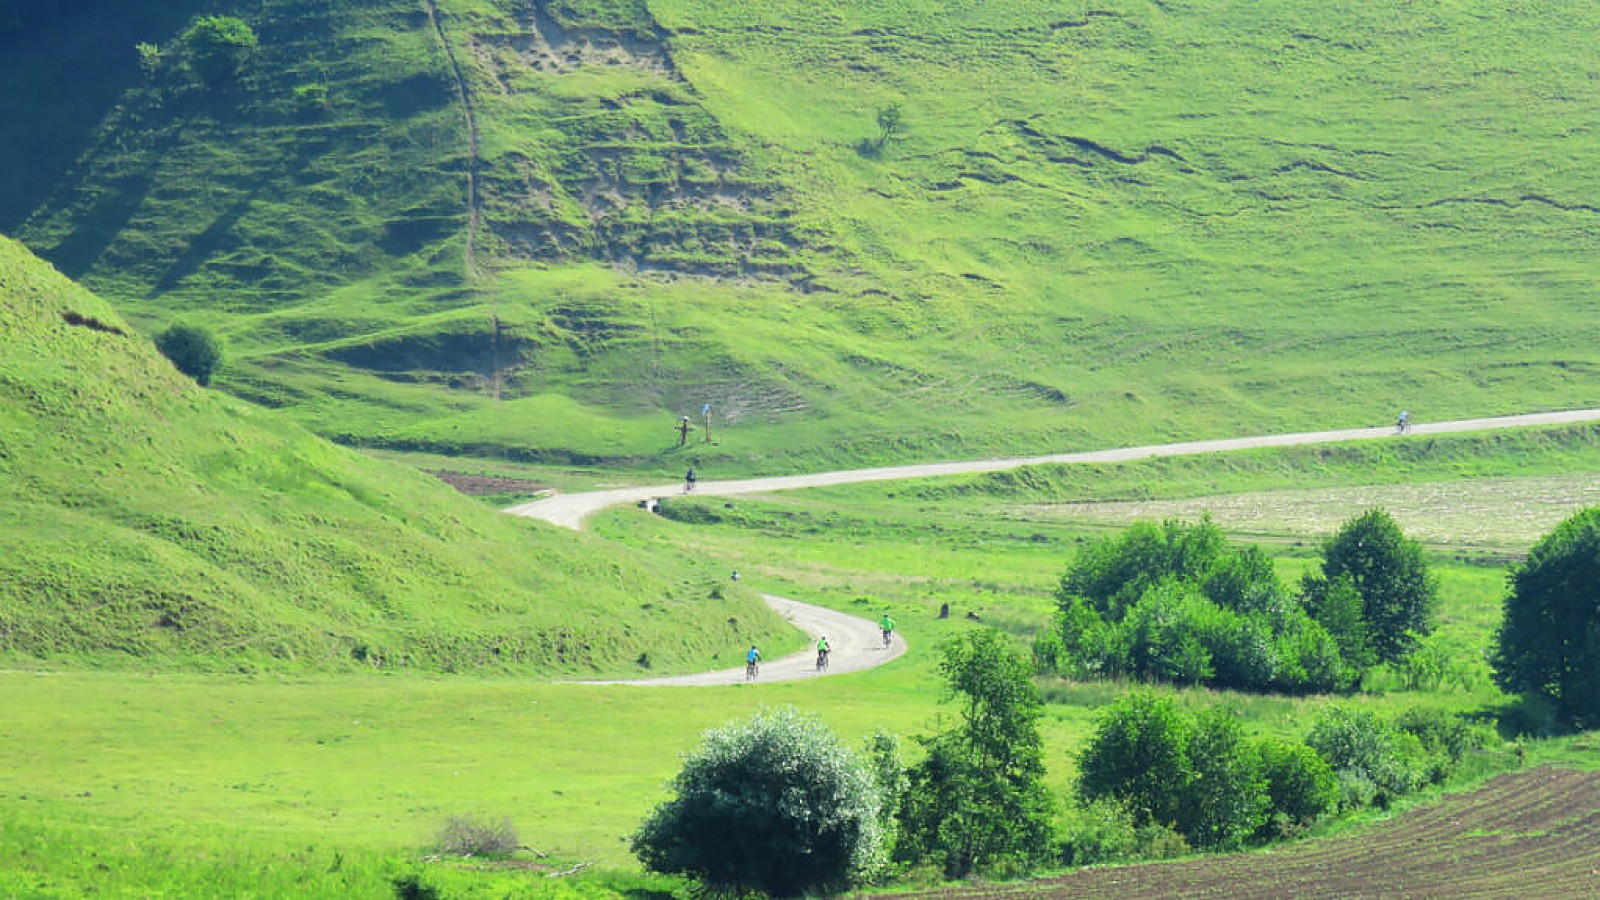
1445 738
774 804
195 351
1139 757
1301 786
1226 800
217 46
466 836
1357 743
1180 603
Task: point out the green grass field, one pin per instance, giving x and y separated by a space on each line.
286 774
519 238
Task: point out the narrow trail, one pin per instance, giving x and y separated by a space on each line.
857 644
570 510
470 113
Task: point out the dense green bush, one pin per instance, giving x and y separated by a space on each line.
1225 801
1301 786
1376 762
1102 831
774 804
195 351
978 799
216 47
1445 738
1180 603
1198 775
1139 757
1548 646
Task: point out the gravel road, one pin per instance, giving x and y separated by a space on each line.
571 509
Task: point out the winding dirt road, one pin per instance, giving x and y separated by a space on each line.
571 509
857 644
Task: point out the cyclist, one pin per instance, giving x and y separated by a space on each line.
823 650
751 670
689 480
1403 424
886 624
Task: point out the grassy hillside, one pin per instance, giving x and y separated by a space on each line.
545 228
148 522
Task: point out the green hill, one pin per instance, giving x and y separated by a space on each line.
545 228
148 522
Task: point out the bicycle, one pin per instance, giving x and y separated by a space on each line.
888 637
751 670
822 660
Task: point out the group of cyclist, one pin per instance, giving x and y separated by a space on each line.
752 658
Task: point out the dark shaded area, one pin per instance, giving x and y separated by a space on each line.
64 64
483 352
91 323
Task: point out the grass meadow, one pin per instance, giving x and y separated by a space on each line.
1097 227
336 785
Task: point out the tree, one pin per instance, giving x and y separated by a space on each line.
774 804
1301 786
216 47
979 796
1548 645
195 351
1398 595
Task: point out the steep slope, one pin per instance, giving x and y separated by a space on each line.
145 521
545 228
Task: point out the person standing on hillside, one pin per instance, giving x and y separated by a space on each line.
705 413
683 431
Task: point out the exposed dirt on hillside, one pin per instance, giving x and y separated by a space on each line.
647 180
488 485
1524 834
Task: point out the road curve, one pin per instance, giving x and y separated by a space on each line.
857 644
570 510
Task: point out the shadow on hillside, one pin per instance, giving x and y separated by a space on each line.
64 65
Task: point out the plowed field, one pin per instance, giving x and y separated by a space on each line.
1531 834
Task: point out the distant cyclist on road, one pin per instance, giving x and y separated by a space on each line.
750 660
886 625
1403 423
689 480
823 649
